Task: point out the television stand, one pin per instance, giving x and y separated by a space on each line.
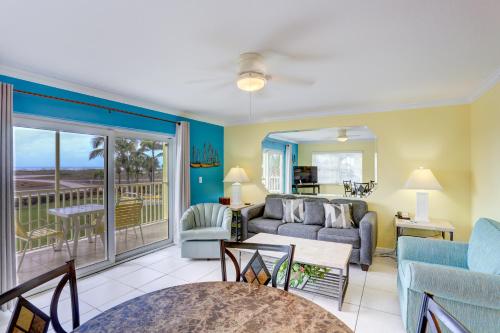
314 186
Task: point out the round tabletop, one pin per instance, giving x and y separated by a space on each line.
216 307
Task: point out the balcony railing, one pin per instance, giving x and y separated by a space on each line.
32 206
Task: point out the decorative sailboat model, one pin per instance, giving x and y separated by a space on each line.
207 158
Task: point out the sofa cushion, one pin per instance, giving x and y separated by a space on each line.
484 247
359 208
207 233
299 230
273 208
314 212
346 236
261 224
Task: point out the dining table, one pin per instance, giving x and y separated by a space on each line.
226 307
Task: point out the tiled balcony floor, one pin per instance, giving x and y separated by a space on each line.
39 261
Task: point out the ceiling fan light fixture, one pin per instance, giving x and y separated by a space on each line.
251 81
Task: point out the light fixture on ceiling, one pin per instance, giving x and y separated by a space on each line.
342 136
251 81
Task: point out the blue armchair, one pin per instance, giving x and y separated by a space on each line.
202 226
464 278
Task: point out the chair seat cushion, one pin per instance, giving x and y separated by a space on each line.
309 231
261 224
339 235
206 233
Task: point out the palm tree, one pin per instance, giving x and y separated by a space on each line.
148 146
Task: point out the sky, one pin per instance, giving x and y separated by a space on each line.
34 148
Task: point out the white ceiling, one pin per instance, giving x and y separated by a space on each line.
324 135
363 55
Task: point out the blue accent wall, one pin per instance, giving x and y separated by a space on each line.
275 144
208 191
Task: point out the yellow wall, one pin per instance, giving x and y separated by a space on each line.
367 147
485 155
437 138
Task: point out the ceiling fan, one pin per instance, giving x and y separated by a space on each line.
342 135
253 74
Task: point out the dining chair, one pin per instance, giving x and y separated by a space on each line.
48 232
28 318
432 315
256 272
361 189
348 188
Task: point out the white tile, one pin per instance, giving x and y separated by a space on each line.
120 270
169 265
348 314
64 309
133 294
4 320
356 275
149 259
195 270
305 294
105 293
353 294
215 275
68 326
43 299
90 282
380 300
140 277
161 283
373 321
382 280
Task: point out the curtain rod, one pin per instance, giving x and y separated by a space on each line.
109 109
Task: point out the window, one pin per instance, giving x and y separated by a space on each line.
335 167
272 170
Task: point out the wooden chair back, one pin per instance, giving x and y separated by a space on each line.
287 249
67 271
432 314
347 187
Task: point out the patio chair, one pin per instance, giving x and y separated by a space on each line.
47 231
128 215
39 319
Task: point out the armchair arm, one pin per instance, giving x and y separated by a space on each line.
227 219
187 220
250 213
455 284
368 235
432 251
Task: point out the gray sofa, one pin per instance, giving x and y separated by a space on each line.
363 237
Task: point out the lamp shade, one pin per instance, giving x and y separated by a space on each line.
236 175
422 179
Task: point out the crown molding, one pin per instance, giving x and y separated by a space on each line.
487 84
302 114
86 90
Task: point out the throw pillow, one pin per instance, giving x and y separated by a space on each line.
314 213
273 209
293 210
338 216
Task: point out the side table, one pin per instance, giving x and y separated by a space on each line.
433 225
236 224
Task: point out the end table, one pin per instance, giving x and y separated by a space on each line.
236 224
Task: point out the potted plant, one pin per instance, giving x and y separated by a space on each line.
301 273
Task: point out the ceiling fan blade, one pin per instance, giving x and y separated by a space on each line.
291 80
220 85
299 57
208 80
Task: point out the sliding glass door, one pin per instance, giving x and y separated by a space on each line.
141 191
88 193
59 200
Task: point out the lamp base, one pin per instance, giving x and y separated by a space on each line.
236 194
422 208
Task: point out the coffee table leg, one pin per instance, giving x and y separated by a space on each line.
341 288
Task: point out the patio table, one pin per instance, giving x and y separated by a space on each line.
67 215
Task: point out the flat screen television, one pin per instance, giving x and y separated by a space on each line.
305 174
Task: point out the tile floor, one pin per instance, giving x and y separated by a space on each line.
371 303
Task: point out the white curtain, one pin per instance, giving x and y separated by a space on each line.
7 228
182 197
288 169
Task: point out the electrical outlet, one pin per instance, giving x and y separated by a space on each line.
200 179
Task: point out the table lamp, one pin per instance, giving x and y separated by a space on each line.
422 180
236 176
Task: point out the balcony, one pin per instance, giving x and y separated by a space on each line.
33 210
